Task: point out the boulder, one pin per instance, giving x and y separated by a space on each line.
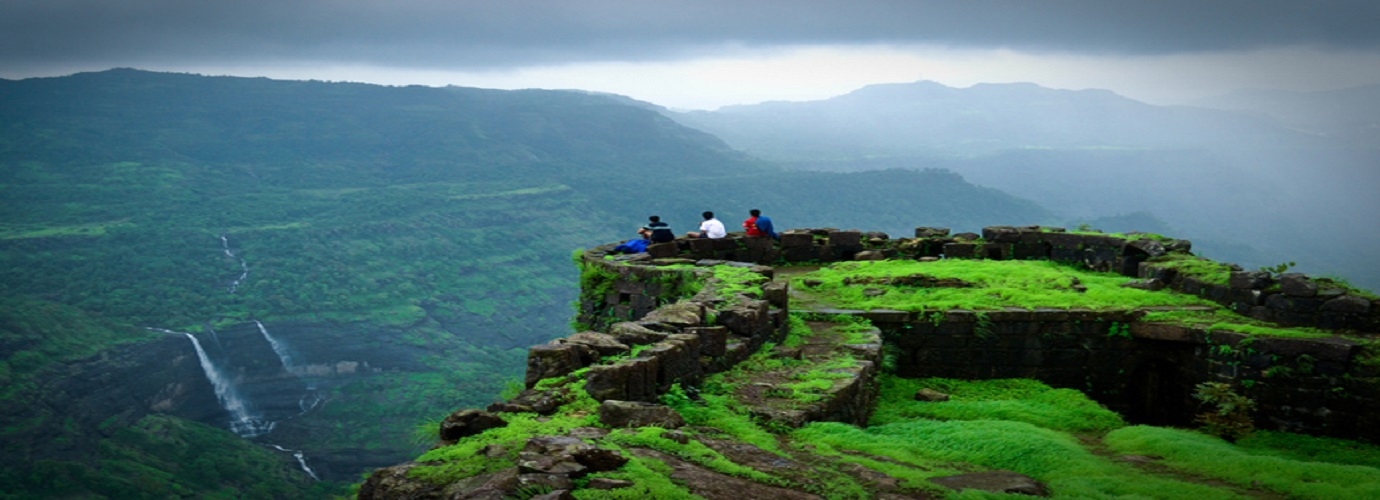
931 395
601 343
869 255
1347 303
1253 280
931 232
1297 285
466 423
631 334
681 314
1153 248
621 414
544 402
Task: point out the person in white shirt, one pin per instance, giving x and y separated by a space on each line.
710 228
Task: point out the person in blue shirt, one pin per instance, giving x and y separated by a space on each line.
760 225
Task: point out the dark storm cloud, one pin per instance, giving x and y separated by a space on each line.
436 33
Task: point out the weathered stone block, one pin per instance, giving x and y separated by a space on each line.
960 250
628 380
631 334
601 343
797 240
466 423
1347 304
680 314
1001 234
846 239
1251 280
713 339
554 360
1297 285
622 414
1148 247
746 318
663 250
931 232
725 244
777 293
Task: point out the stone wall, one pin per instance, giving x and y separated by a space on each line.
643 303
1289 299
1144 370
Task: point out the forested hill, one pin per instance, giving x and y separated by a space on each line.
401 245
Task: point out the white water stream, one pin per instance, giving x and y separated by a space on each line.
244 266
284 354
301 460
244 422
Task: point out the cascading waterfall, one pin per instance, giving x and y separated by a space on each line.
301 460
284 355
244 422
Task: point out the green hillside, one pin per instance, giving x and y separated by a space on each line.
421 233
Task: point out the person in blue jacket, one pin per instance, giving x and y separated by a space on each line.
760 225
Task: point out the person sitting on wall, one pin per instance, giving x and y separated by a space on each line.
656 231
710 228
758 225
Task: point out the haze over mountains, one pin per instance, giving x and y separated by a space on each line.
1272 177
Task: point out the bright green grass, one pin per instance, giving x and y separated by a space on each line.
1226 320
998 284
935 448
1271 464
1209 271
1311 448
1020 400
650 477
732 281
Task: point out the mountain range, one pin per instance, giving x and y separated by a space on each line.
1259 178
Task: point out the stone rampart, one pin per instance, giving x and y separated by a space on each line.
1144 370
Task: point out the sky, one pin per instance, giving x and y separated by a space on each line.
703 54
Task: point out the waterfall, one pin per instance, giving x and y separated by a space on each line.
244 422
283 354
301 460
215 337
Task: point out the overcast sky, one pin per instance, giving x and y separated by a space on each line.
702 54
